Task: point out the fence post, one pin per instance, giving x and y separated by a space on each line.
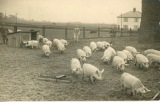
98 32
43 31
15 28
84 36
121 31
66 32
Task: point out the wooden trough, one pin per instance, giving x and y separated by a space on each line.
16 39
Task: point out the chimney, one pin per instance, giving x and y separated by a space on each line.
134 9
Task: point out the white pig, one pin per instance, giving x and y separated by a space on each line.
129 55
151 51
106 44
56 41
92 72
65 43
61 47
118 63
45 40
142 61
100 45
32 43
87 50
122 55
129 81
153 58
132 50
81 55
76 67
46 50
93 46
49 43
111 49
107 56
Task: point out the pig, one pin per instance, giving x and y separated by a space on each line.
153 58
81 55
61 47
76 67
106 44
49 43
45 40
87 50
107 56
132 50
93 46
151 51
40 37
122 55
129 81
46 50
32 43
129 55
118 63
92 72
56 41
100 45
112 50
142 61
64 42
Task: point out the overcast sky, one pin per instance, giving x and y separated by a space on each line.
87 11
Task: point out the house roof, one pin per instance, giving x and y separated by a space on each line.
131 14
27 32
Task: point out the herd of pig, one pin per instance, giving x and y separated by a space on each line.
118 60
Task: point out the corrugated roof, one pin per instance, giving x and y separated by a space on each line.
131 14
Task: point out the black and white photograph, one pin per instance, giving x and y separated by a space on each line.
79 50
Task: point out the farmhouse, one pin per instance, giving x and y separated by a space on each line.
129 20
15 39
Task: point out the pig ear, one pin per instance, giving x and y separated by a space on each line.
102 70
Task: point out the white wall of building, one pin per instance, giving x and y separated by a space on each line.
131 23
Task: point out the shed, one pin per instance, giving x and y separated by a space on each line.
16 39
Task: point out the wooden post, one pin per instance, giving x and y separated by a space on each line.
121 32
43 31
84 36
66 32
98 32
15 28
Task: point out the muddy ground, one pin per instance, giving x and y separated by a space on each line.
20 70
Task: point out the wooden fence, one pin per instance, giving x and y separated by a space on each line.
98 32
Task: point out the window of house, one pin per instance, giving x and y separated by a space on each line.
125 26
135 27
125 19
118 26
136 19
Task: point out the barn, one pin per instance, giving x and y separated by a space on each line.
16 39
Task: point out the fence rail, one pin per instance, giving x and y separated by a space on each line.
85 31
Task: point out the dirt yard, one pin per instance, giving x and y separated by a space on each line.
20 70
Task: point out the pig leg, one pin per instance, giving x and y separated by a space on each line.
133 92
74 37
77 38
91 79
